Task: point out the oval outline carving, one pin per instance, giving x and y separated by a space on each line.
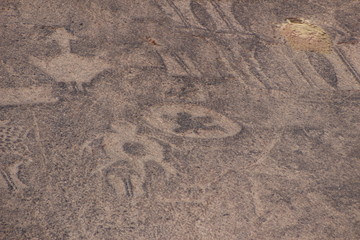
191 121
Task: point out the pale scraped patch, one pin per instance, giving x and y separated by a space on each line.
71 68
305 36
29 95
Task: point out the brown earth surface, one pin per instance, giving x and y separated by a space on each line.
164 119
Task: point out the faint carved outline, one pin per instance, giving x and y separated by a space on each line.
347 64
202 16
12 143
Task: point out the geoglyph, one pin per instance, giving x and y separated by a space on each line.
128 154
191 121
69 67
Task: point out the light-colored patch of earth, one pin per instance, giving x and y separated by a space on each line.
304 36
26 96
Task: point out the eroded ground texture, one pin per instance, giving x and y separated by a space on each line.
191 119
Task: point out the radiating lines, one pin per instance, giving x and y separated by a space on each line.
347 64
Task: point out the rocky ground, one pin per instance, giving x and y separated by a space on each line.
186 119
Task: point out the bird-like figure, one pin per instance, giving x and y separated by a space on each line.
70 68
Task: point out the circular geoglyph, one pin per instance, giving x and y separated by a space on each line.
191 121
